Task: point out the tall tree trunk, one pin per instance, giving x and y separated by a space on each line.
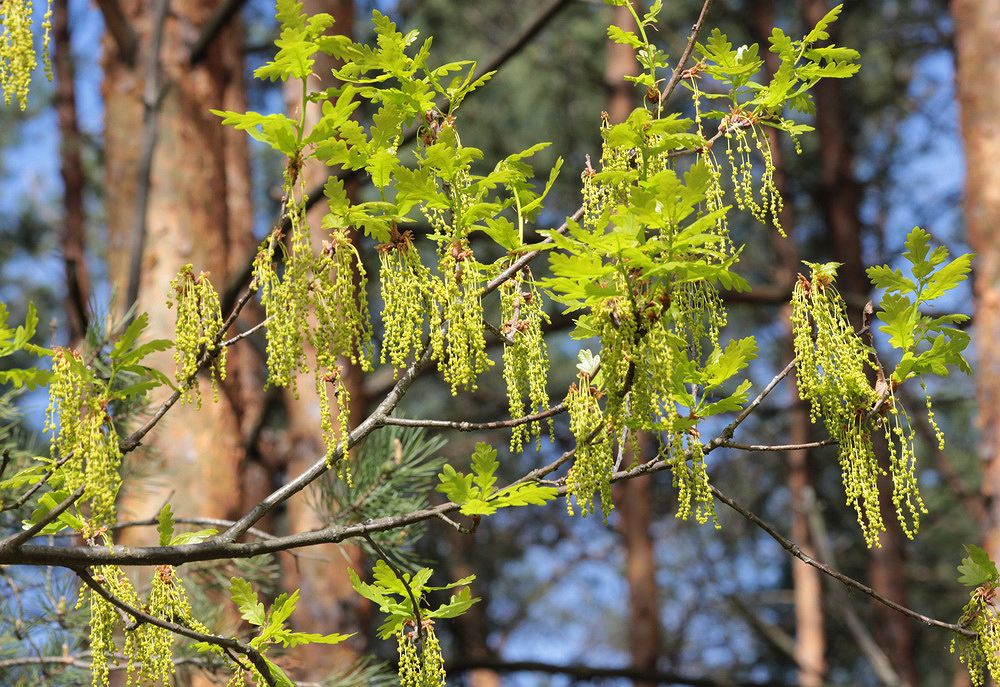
198 212
72 237
634 497
807 588
840 202
977 37
333 604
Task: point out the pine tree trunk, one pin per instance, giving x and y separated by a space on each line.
198 212
977 37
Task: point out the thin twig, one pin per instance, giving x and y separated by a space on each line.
375 420
524 37
675 78
250 332
211 522
587 673
795 550
463 426
727 433
526 258
132 441
776 447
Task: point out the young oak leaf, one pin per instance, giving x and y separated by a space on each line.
165 525
977 568
475 493
245 598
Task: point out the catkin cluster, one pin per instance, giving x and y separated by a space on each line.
525 356
334 417
83 438
594 461
343 325
199 323
458 342
421 663
744 133
285 297
320 299
17 49
406 285
105 619
651 331
980 654
833 365
147 647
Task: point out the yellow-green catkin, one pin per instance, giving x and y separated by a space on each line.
334 417
620 335
405 284
199 324
458 341
421 663
744 133
525 356
901 439
938 434
17 49
594 460
105 619
338 295
690 478
980 654
286 298
83 436
151 648
833 365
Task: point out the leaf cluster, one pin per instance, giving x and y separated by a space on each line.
394 594
928 343
476 492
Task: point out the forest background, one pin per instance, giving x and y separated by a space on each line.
644 598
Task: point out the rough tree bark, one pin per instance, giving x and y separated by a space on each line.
73 236
839 196
198 212
634 498
977 38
